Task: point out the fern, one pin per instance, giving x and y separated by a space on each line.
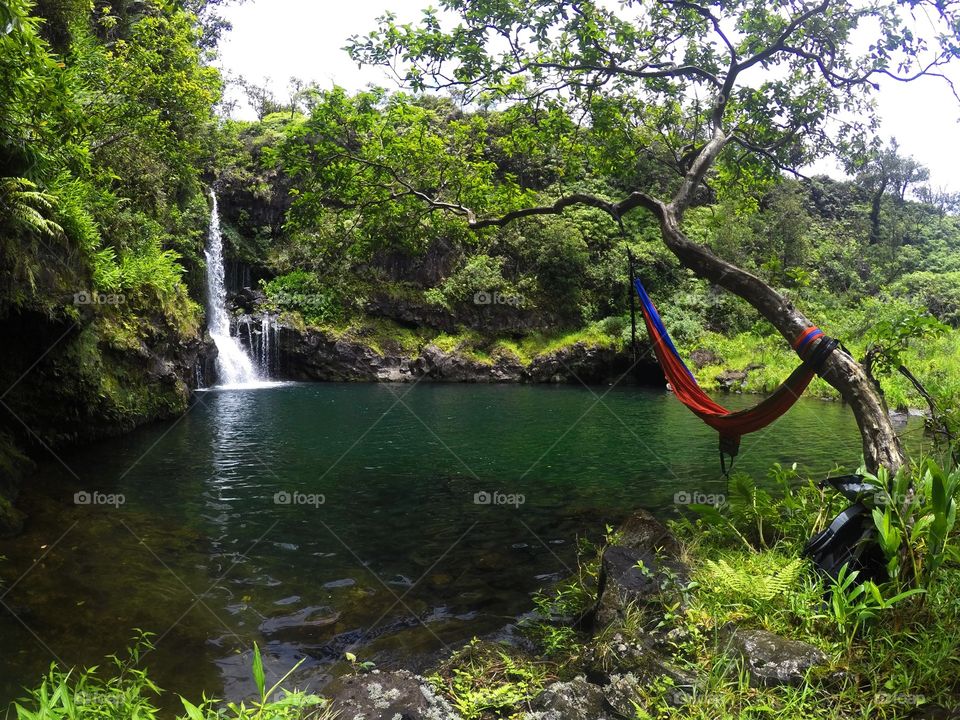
24 207
746 582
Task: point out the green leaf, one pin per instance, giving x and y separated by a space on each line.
258 676
193 712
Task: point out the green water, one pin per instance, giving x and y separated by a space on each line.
395 561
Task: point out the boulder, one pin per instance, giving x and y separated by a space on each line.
774 660
622 654
701 357
399 695
643 532
731 379
573 700
622 660
642 571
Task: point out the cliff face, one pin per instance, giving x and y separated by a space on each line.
68 380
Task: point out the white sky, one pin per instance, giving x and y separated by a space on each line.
278 39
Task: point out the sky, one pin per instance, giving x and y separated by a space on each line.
278 39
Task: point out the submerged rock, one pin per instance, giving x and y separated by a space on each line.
399 695
576 699
774 660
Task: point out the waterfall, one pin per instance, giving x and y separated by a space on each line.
234 366
269 344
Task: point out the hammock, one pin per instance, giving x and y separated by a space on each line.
812 346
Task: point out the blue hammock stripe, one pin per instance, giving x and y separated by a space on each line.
651 312
809 338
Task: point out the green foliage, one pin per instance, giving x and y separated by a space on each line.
915 517
939 293
744 583
854 605
272 704
481 679
480 274
889 337
129 694
758 518
302 292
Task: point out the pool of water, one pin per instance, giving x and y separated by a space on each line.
394 521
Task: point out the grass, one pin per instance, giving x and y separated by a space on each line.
483 680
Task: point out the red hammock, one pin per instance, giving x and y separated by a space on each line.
812 346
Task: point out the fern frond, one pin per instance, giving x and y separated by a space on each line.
747 583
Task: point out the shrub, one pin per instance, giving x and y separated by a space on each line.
302 292
939 293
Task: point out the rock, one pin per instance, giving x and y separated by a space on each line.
635 579
621 693
702 357
316 355
773 660
639 657
637 660
731 379
643 542
399 695
247 300
578 363
643 532
436 364
573 700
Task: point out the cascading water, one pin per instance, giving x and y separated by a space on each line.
234 366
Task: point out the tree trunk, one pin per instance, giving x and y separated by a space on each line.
881 446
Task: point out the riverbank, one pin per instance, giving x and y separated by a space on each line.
700 618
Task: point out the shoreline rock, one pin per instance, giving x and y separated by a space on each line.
316 356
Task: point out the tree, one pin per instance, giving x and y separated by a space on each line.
723 89
886 173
